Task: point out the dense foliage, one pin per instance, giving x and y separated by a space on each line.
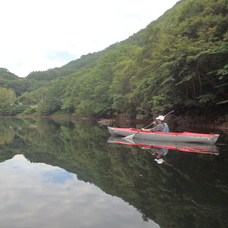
177 62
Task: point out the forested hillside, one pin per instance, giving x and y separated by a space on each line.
179 61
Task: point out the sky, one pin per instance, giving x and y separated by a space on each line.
37 35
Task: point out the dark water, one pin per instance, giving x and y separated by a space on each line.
61 173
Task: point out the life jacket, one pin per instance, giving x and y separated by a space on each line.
166 129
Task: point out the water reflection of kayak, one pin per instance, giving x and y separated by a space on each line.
164 136
186 147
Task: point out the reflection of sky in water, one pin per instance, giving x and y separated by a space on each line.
56 176
40 195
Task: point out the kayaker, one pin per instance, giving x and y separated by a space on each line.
160 125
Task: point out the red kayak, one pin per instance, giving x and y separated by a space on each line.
164 136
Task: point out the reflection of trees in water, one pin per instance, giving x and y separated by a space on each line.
194 192
6 135
6 131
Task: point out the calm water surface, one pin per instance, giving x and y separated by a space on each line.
62 173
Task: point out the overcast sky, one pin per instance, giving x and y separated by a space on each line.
37 35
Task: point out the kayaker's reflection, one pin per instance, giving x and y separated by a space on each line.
159 153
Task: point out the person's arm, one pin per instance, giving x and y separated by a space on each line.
144 129
159 127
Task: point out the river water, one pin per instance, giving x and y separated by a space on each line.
69 173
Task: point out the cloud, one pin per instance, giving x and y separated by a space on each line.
33 29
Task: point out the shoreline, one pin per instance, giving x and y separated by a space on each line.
172 120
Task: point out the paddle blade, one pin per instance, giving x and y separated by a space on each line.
130 136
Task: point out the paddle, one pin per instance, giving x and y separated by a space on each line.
131 136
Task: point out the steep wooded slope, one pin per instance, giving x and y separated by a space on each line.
177 62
